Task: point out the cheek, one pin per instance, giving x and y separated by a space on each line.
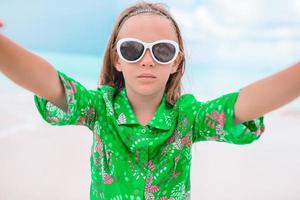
128 71
166 71
164 75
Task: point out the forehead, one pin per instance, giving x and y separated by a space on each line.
148 27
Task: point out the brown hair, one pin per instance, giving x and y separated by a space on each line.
110 76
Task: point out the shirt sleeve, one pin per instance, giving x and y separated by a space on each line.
81 105
215 122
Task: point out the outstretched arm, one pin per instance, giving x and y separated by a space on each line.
30 71
268 94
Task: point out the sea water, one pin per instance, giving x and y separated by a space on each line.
204 81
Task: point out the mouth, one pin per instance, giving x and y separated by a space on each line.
147 76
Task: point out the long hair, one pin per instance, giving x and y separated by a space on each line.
110 76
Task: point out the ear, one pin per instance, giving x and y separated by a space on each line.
117 63
175 64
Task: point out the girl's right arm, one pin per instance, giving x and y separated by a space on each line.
31 72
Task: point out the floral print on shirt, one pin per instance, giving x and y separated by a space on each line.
131 161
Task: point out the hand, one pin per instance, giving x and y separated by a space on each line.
1 24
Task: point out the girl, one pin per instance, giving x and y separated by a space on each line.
143 128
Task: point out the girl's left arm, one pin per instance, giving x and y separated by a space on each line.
267 94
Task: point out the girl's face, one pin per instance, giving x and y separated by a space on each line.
148 28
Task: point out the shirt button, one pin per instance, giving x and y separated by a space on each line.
143 130
136 192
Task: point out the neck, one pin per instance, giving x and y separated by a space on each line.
144 106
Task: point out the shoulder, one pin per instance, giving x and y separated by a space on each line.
187 103
186 99
108 93
106 89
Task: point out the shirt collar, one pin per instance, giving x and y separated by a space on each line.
162 118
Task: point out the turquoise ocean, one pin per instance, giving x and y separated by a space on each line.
203 81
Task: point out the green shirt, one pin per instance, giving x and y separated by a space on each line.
131 161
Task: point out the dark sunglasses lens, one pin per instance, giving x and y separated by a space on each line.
164 52
131 50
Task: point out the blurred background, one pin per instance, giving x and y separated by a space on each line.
229 44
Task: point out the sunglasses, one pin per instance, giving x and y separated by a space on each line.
132 50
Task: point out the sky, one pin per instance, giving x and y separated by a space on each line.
217 33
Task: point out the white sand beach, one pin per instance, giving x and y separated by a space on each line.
40 161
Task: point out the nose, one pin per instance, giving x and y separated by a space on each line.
147 59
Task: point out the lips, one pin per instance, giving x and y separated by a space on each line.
146 75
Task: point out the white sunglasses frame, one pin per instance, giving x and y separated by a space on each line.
148 46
